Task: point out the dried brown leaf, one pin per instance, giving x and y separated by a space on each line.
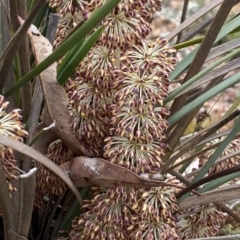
85 171
55 95
219 195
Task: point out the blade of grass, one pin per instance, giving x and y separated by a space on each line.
197 30
215 179
199 137
216 51
5 33
52 27
40 16
188 43
221 206
6 204
24 62
220 181
218 72
26 188
37 97
64 206
81 33
189 175
51 216
223 48
73 210
203 51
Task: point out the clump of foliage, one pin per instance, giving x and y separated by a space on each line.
100 149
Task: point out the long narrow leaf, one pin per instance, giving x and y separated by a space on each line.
227 28
81 33
81 53
218 151
204 97
218 72
23 148
184 86
69 56
218 182
194 17
223 48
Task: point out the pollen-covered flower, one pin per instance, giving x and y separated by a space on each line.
136 113
100 64
123 29
152 228
46 180
138 118
199 222
106 216
128 213
162 198
152 57
155 211
88 108
139 126
146 8
10 125
136 140
149 88
140 157
67 22
69 5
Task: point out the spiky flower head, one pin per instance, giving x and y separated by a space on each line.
138 152
68 21
138 117
123 29
106 216
145 8
128 213
10 125
152 57
100 64
64 6
199 222
155 213
88 107
46 180
126 25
